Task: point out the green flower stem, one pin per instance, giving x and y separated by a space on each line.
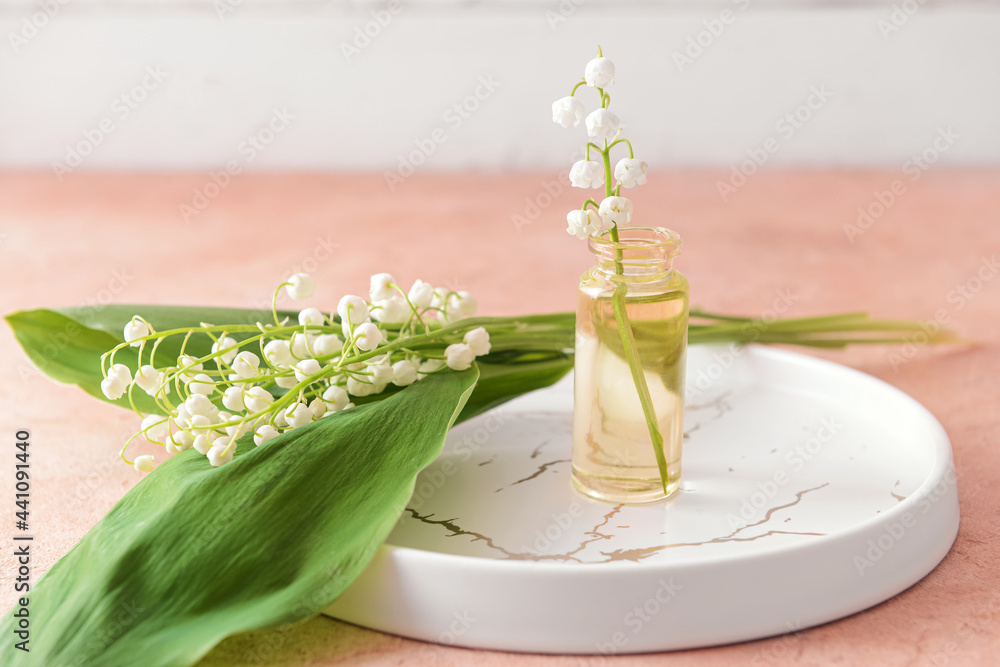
628 143
627 337
632 356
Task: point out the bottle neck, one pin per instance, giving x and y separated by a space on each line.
641 254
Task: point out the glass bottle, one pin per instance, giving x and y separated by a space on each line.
614 459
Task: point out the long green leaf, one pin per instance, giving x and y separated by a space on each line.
84 334
193 553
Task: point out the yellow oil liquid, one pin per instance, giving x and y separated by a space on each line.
613 455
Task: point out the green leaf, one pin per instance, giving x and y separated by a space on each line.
67 343
193 553
505 376
82 335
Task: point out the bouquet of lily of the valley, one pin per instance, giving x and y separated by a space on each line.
285 445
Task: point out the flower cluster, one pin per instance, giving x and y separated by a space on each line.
603 126
267 379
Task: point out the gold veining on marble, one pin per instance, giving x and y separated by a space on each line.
538 449
542 468
636 555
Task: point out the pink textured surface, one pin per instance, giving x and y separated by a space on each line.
121 238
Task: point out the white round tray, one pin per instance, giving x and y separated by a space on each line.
809 492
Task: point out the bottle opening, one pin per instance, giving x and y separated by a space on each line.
639 250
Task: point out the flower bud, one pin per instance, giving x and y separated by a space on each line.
380 287
354 309
223 344
391 311
327 344
599 73
583 224
136 328
278 353
567 111
459 356
221 453
264 434
367 337
421 294
616 211
630 172
603 124
201 384
311 317
478 341
233 399
246 364
586 174
305 368
336 398
404 373
298 414
257 399
144 463
300 286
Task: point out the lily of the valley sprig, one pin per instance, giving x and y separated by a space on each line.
594 218
278 377
604 128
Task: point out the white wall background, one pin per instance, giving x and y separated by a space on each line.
895 80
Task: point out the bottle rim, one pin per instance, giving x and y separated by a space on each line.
652 242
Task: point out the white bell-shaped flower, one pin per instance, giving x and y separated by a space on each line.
603 124
616 211
478 341
367 337
599 73
381 287
300 286
136 328
630 172
144 463
459 356
583 224
586 174
568 111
